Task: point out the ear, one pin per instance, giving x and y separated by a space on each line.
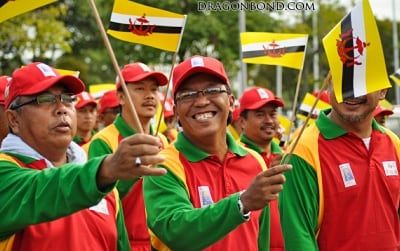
231 103
13 120
382 94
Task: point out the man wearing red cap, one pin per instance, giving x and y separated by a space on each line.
258 110
344 190
50 197
142 84
86 114
108 108
215 195
3 120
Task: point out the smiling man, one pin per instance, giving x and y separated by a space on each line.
216 193
50 197
259 117
142 84
344 190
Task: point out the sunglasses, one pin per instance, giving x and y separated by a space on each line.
47 98
189 96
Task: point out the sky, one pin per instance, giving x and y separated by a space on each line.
380 8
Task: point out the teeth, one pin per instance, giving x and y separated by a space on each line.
203 116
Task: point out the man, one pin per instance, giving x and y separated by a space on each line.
86 113
259 116
3 120
142 84
108 108
381 113
344 190
216 193
50 198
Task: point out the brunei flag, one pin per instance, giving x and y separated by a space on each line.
307 104
396 77
138 23
12 8
355 54
274 48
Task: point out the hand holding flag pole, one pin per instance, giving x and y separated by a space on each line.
137 125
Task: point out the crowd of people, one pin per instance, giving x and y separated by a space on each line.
76 174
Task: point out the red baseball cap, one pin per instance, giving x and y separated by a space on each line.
324 96
138 71
168 108
256 97
109 100
36 78
197 64
380 110
236 114
84 99
3 82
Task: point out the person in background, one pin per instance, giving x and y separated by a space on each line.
344 190
259 115
109 108
381 113
86 112
142 84
50 197
3 120
170 120
216 193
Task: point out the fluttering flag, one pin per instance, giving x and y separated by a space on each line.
307 104
355 54
97 90
12 8
274 48
396 77
138 23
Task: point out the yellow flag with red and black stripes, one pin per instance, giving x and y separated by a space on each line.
396 77
306 105
355 54
141 24
274 48
12 8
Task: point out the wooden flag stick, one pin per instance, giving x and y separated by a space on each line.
170 75
137 125
293 146
296 97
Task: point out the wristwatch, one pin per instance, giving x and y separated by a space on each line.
246 216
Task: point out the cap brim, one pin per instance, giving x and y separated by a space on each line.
71 83
161 78
278 102
199 69
85 103
109 106
384 113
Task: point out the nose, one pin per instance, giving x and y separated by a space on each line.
201 99
61 108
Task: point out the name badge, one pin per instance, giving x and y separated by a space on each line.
347 175
390 168
205 196
101 207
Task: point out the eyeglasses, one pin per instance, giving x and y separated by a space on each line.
47 98
189 96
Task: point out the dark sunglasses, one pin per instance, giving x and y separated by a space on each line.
47 98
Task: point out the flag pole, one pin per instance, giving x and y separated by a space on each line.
137 125
296 96
296 141
170 75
